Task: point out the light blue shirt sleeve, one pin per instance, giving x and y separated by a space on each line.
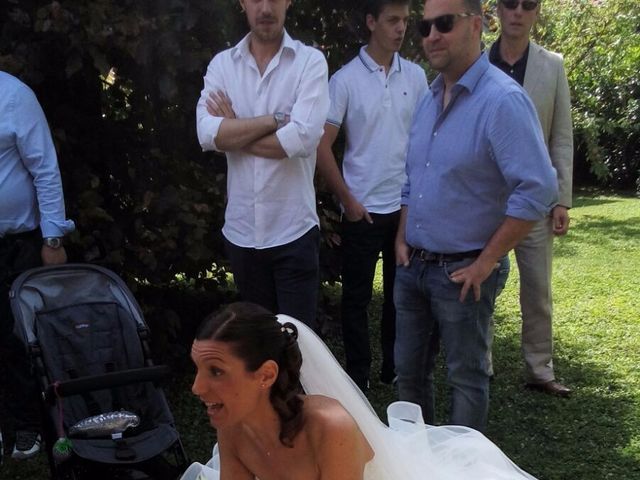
519 150
37 153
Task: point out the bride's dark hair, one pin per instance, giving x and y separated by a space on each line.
255 336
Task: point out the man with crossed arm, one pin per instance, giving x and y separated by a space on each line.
264 104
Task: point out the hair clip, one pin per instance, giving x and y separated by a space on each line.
289 330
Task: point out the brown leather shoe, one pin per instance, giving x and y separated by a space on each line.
551 388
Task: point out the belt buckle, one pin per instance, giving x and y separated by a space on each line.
427 256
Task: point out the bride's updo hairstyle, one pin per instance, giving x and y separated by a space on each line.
255 336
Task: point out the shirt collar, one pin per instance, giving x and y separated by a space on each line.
241 49
469 79
372 66
495 57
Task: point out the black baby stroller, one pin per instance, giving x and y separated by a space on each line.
88 345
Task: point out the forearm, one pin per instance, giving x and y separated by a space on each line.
329 171
238 133
267 147
402 249
505 238
401 234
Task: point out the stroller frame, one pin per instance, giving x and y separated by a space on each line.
73 311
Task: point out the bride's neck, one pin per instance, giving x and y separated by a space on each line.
263 427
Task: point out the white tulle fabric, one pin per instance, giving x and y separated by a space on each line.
407 449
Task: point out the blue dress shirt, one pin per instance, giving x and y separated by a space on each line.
30 186
480 159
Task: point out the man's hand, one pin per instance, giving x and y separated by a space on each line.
403 252
219 105
354 211
472 276
53 256
560 216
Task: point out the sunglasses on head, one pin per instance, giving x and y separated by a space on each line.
443 23
527 5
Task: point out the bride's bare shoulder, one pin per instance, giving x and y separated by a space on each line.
332 429
321 402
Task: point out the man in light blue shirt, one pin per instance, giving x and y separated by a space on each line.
479 177
32 225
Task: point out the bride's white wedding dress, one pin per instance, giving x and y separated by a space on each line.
407 449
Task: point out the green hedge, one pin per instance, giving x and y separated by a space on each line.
119 82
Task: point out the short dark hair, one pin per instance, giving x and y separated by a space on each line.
374 7
473 6
255 336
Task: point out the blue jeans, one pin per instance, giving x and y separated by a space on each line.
427 306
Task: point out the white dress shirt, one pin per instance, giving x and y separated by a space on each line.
270 202
376 110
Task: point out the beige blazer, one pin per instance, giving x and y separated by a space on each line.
546 83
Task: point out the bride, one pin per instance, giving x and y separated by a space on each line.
250 365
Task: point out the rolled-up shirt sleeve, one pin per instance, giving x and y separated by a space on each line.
300 137
38 154
206 124
519 149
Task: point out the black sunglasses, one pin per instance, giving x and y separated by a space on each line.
444 23
527 5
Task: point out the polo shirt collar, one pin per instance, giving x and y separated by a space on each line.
372 66
469 79
495 57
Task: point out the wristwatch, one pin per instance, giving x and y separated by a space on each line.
52 242
280 118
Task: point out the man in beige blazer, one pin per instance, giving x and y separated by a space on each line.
542 75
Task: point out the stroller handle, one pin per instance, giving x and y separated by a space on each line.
107 380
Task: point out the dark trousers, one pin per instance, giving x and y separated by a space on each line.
17 253
283 279
362 243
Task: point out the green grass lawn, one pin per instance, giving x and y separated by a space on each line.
595 434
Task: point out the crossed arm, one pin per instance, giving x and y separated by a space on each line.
252 135
219 128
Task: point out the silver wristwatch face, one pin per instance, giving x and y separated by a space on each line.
53 242
280 118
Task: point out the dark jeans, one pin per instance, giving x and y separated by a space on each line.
17 253
362 243
283 279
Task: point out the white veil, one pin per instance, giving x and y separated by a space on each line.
410 450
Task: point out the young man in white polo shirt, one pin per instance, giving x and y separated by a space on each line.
373 97
264 104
